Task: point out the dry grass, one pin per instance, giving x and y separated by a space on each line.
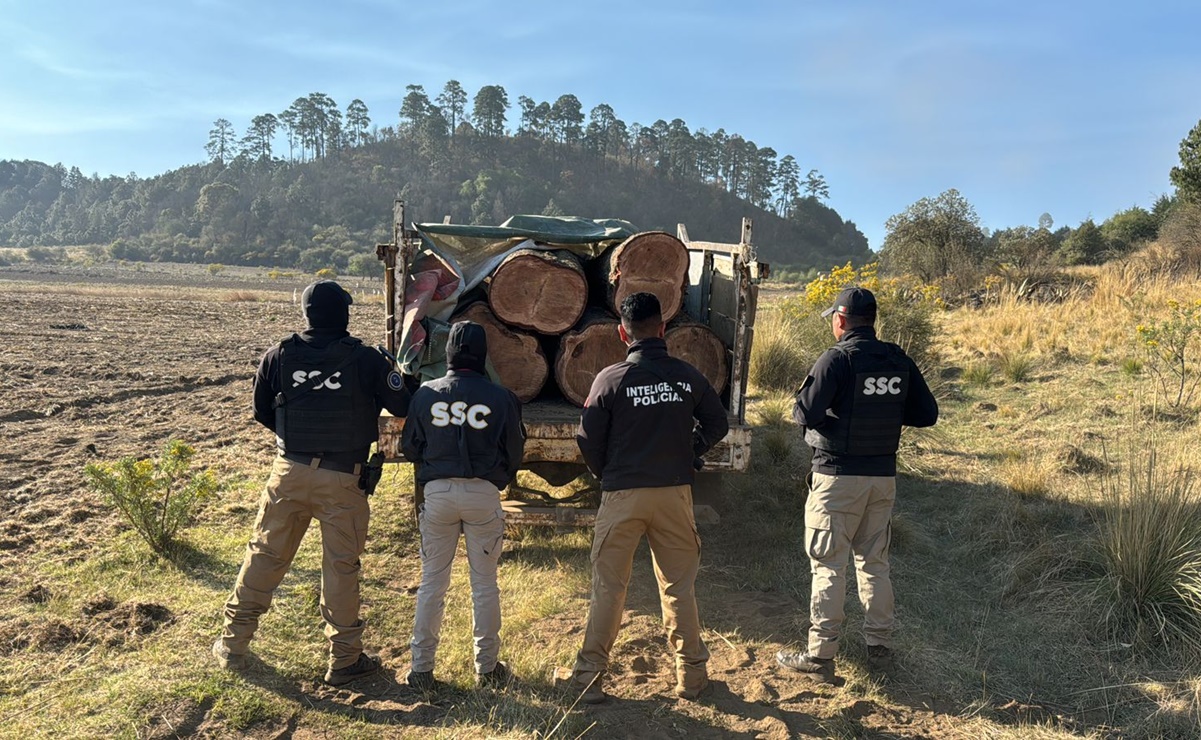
995 563
240 296
778 358
1150 541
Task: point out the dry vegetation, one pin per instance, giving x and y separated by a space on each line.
1016 620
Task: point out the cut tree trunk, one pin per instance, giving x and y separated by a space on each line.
700 347
540 290
652 261
586 350
516 355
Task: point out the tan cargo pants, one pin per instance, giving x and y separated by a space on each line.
470 506
295 495
847 514
664 515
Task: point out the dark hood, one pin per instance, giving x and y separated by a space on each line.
466 347
326 305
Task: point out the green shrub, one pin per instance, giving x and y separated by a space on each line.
327 273
156 497
1149 539
216 268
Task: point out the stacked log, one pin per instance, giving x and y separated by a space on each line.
516 355
652 261
700 347
585 351
539 290
536 304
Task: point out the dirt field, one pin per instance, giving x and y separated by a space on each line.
101 366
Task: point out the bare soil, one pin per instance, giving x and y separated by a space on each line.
90 373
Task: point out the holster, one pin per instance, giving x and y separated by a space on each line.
372 472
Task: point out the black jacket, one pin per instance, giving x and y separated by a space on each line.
637 427
828 395
463 425
375 375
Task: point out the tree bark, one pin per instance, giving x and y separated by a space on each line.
651 261
540 290
516 355
700 347
586 350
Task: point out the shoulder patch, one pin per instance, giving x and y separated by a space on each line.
395 382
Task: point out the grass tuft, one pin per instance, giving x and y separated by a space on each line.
977 374
1149 539
1017 367
778 357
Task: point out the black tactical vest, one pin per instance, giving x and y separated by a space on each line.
867 420
335 414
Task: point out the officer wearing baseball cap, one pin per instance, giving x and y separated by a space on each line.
851 407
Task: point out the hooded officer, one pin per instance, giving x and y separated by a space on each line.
852 406
465 437
321 393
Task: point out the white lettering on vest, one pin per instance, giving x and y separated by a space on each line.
880 386
444 414
332 382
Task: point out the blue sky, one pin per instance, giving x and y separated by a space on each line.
1072 108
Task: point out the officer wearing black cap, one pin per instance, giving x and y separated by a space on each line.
321 393
852 406
464 435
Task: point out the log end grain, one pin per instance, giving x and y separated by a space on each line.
516 356
697 345
542 291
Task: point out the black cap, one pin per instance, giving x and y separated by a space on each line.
466 347
326 305
853 302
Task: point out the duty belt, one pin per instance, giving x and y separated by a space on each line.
316 461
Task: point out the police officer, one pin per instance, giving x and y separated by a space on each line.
637 436
464 435
851 407
321 392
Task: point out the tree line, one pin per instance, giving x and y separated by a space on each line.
312 186
313 126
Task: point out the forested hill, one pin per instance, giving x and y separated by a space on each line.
321 208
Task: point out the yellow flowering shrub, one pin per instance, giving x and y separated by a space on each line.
1172 347
906 308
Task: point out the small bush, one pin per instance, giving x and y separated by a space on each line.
1149 539
1173 351
45 254
241 296
215 268
906 311
327 273
157 497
